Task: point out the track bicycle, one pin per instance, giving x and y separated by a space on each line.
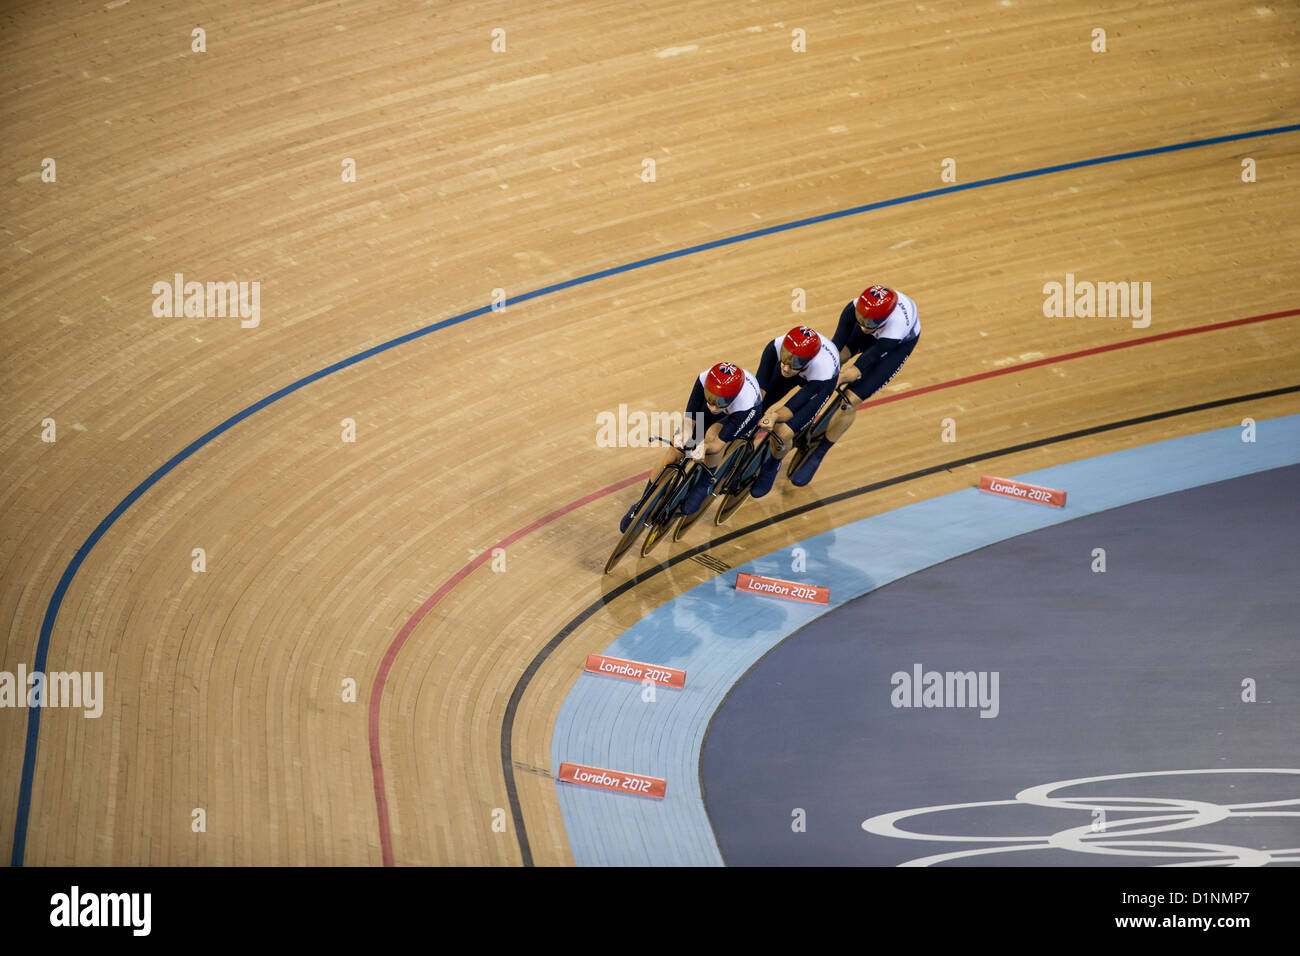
660 504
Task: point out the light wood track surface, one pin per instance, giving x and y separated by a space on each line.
479 170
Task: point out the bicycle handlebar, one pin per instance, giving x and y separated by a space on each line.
687 445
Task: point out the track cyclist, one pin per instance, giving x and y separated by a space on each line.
801 358
880 327
726 401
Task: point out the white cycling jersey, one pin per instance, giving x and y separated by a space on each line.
902 323
825 364
748 397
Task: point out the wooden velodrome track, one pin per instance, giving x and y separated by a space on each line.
479 170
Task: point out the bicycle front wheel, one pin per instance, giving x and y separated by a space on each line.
659 520
730 505
652 504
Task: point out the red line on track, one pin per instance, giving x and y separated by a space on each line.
1074 355
377 691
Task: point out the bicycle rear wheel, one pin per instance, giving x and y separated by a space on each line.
744 476
657 523
733 458
652 502
685 521
800 455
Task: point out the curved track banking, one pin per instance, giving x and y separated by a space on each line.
70 572
56 600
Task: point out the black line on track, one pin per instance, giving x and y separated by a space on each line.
521 686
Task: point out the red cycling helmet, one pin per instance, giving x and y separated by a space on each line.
875 305
803 344
724 380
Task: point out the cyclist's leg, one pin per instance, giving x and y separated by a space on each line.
844 416
722 433
873 379
778 444
805 406
790 417
799 411
835 406
706 471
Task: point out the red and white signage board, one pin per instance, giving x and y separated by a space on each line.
617 780
1025 492
772 587
635 670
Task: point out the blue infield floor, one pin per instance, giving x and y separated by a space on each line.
1135 674
1059 672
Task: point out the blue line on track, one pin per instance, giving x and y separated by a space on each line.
56 600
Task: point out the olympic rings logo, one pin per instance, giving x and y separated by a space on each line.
1128 837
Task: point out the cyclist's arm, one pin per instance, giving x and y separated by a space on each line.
873 354
695 406
776 416
768 367
820 391
735 425
844 331
696 403
814 392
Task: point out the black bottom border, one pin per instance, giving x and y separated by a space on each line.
921 906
